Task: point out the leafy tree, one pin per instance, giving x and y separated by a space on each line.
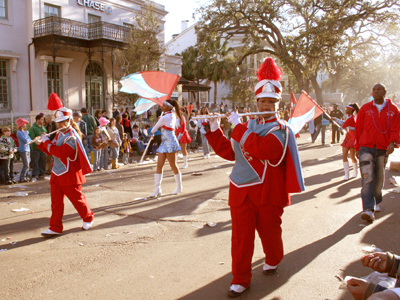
218 63
211 61
241 83
300 33
144 46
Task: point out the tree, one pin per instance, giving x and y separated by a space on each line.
300 33
218 63
241 83
144 46
211 61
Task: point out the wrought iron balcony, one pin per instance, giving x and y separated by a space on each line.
74 29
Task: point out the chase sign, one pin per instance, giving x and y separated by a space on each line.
95 5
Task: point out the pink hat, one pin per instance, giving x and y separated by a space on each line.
103 121
21 122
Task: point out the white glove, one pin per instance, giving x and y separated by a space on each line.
234 119
214 124
44 138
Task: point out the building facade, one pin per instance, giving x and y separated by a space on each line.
62 46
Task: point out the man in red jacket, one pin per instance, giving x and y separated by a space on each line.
377 133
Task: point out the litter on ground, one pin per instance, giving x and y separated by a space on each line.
19 209
20 194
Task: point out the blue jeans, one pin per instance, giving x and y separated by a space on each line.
26 159
372 166
319 128
38 162
96 163
114 153
88 146
139 146
204 142
104 158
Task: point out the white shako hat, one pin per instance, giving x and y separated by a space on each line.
61 113
269 75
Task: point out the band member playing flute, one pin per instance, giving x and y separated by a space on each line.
69 168
267 168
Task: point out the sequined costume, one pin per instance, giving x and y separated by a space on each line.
169 142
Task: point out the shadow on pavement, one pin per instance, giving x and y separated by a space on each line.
292 263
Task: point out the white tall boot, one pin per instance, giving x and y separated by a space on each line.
355 169
185 162
157 183
178 180
346 170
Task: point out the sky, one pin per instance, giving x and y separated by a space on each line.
179 10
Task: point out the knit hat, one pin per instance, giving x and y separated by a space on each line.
269 75
21 122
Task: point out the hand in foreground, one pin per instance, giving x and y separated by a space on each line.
215 124
38 140
376 261
357 287
233 118
390 148
44 138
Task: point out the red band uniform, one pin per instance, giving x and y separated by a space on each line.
267 168
69 167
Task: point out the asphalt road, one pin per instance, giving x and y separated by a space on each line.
162 248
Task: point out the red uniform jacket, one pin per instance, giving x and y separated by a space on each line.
74 176
369 120
273 190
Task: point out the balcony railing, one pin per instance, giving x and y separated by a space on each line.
80 30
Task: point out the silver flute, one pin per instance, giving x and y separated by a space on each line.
240 115
48 134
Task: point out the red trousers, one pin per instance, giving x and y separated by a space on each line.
246 219
77 198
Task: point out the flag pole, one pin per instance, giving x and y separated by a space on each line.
325 114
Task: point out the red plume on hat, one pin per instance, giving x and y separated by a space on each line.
54 102
269 70
269 75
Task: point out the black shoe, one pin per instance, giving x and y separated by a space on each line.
8 183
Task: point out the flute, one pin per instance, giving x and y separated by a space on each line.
48 134
240 115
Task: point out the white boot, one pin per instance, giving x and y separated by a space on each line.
157 182
185 163
178 180
355 169
346 170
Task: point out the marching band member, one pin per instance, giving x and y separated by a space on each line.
69 168
184 138
169 145
267 168
349 140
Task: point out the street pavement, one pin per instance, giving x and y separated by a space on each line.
162 248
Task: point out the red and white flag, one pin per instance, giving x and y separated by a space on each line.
305 111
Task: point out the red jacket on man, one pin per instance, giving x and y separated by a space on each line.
374 128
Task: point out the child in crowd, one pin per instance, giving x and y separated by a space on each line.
23 149
135 142
7 149
126 149
98 143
